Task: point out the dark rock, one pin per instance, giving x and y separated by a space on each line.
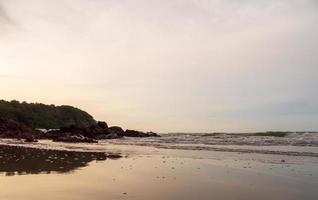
30 138
152 134
102 125
72 133
13 129
70 128
133 133
116 130
113 156
98 131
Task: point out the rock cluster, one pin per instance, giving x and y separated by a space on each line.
72 134
13 129
93 133
133 133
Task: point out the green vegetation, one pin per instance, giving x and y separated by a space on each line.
37 115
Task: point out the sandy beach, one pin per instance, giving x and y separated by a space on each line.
145 172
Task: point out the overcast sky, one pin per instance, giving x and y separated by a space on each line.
168 65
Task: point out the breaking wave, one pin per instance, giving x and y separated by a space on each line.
278 143
254 139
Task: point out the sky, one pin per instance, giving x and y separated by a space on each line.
168 65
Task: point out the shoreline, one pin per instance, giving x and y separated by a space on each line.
151 173
103 146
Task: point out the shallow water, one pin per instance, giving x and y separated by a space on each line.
152 173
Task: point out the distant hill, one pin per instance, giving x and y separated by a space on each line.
37 115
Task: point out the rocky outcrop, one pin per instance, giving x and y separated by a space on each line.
71 134
13 129
152 134
116 130
100 131
133 133
74 133
102 125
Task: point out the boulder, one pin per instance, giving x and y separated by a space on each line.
30 138
116 130
102 125
12 129
98 131
70 128
152 134
133 133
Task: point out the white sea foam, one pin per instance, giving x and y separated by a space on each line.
292 144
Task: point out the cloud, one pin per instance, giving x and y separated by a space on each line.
216 64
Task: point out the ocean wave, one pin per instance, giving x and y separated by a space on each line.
254 139
292 144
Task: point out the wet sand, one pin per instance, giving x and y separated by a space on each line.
145 173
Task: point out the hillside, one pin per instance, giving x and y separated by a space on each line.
37 115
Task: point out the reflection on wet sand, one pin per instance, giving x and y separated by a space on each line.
155 174
20 161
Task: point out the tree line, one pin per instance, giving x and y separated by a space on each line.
38 115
